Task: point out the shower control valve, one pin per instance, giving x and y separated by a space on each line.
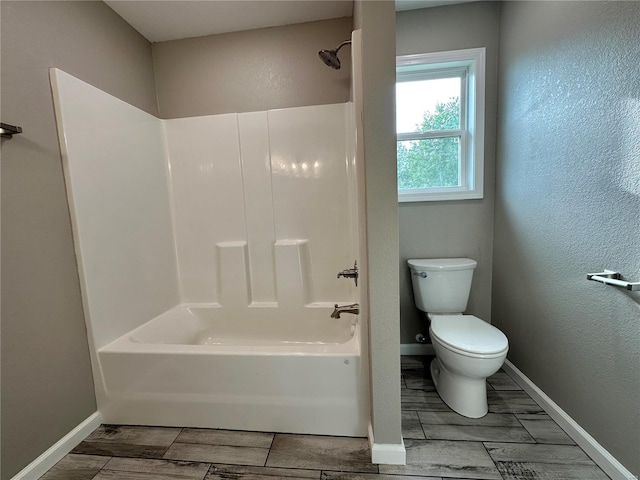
350 273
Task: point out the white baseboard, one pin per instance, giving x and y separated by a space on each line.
416 349
597 452
53 455
387 453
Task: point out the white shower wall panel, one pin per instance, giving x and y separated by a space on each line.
311 191
258 200
115 172
206 178
263 188
250 209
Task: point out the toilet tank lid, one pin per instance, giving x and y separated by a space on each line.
441 264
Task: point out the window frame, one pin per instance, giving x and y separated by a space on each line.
425 66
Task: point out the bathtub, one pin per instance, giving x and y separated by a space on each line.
242 369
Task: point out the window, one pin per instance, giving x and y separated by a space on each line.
440 125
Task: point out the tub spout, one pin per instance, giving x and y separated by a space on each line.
354 309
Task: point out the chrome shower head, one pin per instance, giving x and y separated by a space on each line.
330 57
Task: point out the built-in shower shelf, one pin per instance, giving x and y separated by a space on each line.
609 277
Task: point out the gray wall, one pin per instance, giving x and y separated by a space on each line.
454 228
568 203
47 387
376 19
252 70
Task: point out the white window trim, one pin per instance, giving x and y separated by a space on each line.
474 59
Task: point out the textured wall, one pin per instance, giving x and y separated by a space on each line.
568 203
47 388
462 228
376 19
253 70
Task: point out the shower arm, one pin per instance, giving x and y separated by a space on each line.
346 42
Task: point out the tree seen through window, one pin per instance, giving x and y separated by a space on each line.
432 162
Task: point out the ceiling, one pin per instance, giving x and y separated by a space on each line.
161 20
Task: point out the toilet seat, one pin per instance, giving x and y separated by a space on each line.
468 335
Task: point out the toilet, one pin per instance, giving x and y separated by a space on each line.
468 350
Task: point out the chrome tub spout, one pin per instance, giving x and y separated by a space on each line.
354 309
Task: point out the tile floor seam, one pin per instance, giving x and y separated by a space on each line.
424 433
495 464
173 441
207 470
102 468
534 439
266 459
273 439
476 441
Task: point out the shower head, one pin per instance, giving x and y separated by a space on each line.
330 57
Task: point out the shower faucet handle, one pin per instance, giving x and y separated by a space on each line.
350 272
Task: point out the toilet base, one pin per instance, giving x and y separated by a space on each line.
464 395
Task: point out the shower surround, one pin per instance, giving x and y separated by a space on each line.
208 249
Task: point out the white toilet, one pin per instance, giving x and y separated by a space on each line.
468 350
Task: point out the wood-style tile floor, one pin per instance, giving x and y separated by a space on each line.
515 441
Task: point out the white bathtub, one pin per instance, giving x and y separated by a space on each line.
244 369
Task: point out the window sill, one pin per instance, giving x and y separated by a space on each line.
439 196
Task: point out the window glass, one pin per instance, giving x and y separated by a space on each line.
429 163
426 105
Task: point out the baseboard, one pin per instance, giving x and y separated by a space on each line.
54 454
416 349
597 452
387 453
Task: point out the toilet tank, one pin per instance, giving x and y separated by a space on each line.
442 285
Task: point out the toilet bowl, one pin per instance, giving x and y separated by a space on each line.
468 349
